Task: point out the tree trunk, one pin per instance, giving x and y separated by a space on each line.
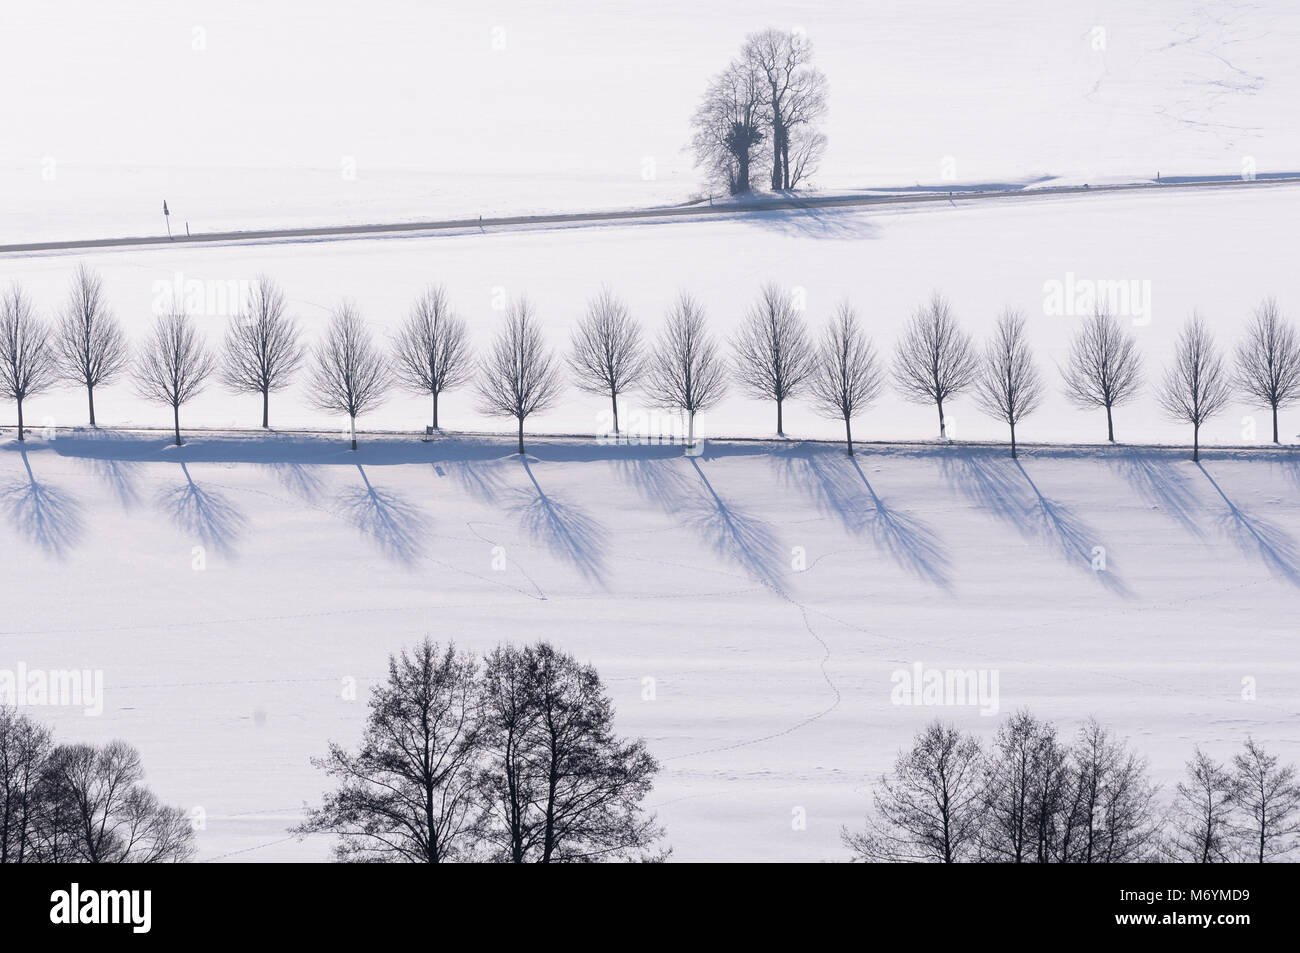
521 434
690 429
90 397
848 434
1275 440
435 410
176 422
1013 441
20 419
780 430
352 423
1110 426
942 431
266 408
613 402
1196 443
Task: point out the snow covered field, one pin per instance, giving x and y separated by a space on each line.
771 685
323 113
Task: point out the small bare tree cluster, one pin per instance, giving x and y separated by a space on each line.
773 359
515 761
349 374
1105 369
1196 386
173 366
767 103
90 343
607 355
263 347
1268 361
432 353
520 375
935 360
81 803
847 376
686 373
1009 386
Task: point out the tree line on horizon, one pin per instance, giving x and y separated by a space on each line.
774 356
1034 797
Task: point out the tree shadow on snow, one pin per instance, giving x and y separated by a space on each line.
395 526
1160 481
44 514
1274 546
839 487
566 530
1000 484
206 514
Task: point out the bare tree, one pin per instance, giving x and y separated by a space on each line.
90 344
685 371
935 359
173 366
519 376
27 361
728 127
348 372
408 793
1203 813
263 346
1009 386
1268 797
1268 361
607 356
559 786
432 352
773 358
1021 794
1105 368
1196 386
794 98
847 376
99 810
930 809
24 749
1107 815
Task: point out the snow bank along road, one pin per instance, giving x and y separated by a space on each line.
729 208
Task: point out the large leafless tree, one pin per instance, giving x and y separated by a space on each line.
348 375
1009 386
607 355
408 793
1196 386
772 356
686 373
794 99
1268 798
1105 368
28 363
1268 361
263 346
173 365
520 375
728 127
847 376
90 344
432 351
1203 813
935 360
24 750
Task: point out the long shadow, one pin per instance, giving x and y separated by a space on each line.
566 530
1273 545
397 527
118 473
733 533
1160 481
836 483
993 485
206 514
46 515
300 479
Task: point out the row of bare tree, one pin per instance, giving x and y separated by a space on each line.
1032 797
773 358
80 803
511 760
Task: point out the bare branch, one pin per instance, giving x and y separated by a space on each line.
772 356
520 376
